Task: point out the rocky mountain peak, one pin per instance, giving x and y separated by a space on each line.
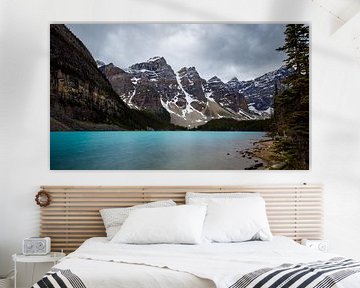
154 64
111 70
260 91
193 85
182 71
155 70
234 83
191 72
228 97
158 59
214 80
233 80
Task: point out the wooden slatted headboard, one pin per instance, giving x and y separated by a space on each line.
73 215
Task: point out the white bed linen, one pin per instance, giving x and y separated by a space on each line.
222 263
101 274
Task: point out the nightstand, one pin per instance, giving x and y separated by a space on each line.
320 245
52 257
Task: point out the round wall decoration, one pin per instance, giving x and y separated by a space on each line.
42 198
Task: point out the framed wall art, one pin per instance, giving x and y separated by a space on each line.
179 96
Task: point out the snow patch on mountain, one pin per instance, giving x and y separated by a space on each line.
153 59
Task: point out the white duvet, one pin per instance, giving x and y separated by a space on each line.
100 263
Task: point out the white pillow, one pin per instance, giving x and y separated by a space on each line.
204 198
113 218
236 220
173 225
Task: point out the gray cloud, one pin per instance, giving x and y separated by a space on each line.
226 50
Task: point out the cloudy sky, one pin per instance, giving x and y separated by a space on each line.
225 50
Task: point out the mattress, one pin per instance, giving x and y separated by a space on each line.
99 263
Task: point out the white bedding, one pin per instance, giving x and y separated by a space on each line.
100 263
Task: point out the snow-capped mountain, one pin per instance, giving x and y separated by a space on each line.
189 99
259 93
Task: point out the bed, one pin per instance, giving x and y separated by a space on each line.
99 263
295 211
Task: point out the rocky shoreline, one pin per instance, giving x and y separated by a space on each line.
258 163
266 152
263 155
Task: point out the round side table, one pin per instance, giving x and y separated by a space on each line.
53 257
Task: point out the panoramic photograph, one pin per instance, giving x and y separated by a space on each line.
179 96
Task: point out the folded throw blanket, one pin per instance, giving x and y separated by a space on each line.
319 274
59 278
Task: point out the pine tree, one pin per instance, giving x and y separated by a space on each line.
297 48
292 104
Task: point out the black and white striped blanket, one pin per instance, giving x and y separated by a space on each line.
59 278
320 274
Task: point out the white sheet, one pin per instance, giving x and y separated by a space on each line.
101 264
99 274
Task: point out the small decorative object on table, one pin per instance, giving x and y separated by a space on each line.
53 257
320 245
36 246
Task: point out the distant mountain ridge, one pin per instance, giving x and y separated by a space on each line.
190 100
259 92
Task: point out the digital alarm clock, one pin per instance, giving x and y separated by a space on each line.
36 246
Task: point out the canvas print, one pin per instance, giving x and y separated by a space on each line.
179 96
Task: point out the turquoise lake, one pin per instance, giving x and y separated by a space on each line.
145 150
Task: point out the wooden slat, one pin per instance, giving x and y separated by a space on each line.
73 216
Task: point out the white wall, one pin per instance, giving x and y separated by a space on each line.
24 108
